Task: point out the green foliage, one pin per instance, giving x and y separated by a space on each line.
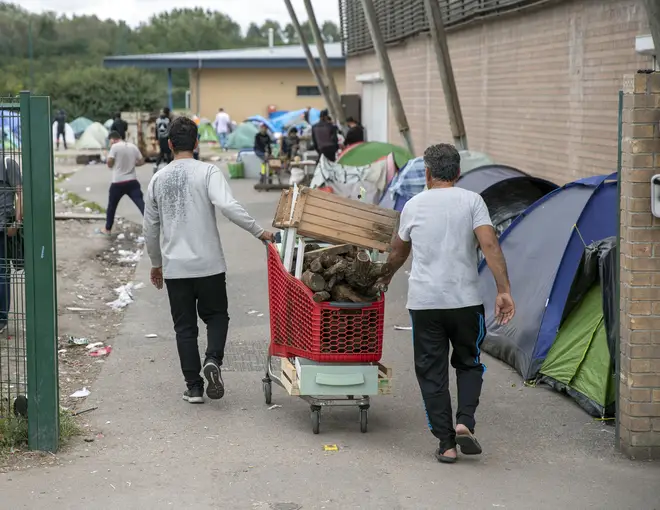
67 54
14 431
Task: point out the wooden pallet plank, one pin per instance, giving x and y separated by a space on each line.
350 203
331 235
335 225
351 212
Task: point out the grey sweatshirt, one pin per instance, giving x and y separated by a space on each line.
180 226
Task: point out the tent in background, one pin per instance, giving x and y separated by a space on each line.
243 136
543 248
108 124
581 361
508 192
94 137
80 124
207 132
10 128
69 135
364 153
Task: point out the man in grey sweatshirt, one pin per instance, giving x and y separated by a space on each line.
183 243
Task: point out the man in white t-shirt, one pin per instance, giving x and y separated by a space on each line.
123 157
222 125
443 226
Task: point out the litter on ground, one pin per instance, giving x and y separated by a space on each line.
81 393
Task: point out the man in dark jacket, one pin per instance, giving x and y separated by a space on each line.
120 126
263 150
355 132
60 120
325 136
162 132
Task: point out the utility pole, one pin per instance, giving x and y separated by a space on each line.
308 55
388 74
325 65
441 50
653 14
31 55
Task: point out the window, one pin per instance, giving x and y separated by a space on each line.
307 90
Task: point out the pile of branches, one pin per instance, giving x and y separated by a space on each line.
342 273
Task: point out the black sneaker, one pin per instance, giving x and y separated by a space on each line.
194 396
215 388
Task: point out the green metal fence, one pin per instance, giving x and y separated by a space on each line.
28 292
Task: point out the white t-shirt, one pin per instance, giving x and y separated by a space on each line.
222 122
440 223
126 155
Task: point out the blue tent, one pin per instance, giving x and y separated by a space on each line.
10 129
543 247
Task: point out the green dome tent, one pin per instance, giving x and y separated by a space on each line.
243 136
207 133
361 154
80 124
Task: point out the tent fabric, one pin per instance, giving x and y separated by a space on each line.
364 153
543 248
243 136
94 137
346 181
598 265
508 192
108 124
10 127
69 134
80 124
207 133
579 362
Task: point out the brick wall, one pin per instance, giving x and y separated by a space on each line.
539 89
639 404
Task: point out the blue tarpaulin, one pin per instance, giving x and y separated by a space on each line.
10 125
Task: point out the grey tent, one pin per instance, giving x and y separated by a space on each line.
508 192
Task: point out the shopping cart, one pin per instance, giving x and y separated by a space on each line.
338 344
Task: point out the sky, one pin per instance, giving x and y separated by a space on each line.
135 11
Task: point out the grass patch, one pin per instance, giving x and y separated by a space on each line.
80 201
14 431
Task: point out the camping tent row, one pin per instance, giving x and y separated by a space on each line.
95 137
559 334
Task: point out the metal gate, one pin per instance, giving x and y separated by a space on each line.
28 291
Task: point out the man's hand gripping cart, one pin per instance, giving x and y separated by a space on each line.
326 344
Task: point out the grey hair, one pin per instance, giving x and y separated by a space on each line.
443 161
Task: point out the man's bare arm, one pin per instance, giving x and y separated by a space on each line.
140 162
111 162
490 246
398 255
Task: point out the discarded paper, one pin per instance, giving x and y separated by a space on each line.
81 393
403 328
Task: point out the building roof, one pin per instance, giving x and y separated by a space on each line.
277 57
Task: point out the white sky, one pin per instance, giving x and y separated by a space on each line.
135 11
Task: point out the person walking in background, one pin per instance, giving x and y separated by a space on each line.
325 136
120 126
182 240
60 121
222 125
122 159
162 132
355 132
11 217
443 226
263 150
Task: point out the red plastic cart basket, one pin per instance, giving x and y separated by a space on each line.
321 332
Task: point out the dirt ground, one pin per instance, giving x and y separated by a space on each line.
89 270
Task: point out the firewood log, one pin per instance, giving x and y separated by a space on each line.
315 266
321 296
338 267
343 292
314 281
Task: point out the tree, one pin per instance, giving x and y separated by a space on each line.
67 54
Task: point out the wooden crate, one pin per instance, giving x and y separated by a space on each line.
333 219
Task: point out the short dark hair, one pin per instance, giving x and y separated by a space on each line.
114 135
443 161
351 119
183 134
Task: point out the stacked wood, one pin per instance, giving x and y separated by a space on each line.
342 273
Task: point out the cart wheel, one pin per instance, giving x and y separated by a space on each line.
316 421
268 392
364 419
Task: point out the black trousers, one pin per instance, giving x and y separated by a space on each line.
165 153
330 153
433 331
117 192
61 134
207 297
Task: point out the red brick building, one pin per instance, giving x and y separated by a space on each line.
538 80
